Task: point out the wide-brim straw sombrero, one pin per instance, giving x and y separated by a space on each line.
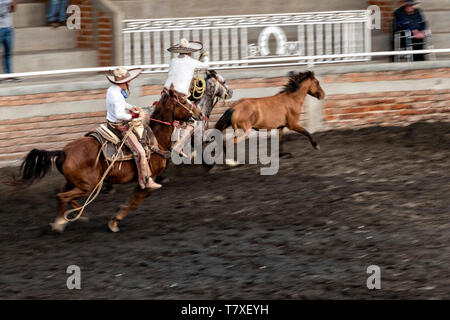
122 75
186 46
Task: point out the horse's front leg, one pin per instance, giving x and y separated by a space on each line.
296 127
138 196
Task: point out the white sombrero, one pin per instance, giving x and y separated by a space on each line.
186 47
122 75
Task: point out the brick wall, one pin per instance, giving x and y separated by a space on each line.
386 108
343 111
96 31
340 110
19 136
105 40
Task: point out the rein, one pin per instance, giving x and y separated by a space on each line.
177 101
163 122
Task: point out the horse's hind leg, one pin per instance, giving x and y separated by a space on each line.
240 135
138 196
68 195
280 141
300 129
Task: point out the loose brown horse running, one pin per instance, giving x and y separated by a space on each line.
78 162
274 112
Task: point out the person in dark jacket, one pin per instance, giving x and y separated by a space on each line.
409 17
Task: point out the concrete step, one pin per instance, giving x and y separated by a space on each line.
145 9
439 21
53 60
44 38
30 15
134 9
435 5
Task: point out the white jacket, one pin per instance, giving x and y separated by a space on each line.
116 105
181 72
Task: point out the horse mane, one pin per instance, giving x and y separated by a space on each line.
295 80
211 74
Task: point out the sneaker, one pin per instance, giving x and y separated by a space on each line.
53 24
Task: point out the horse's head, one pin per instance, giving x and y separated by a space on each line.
315 89
216 81
216 88
307 79
181 109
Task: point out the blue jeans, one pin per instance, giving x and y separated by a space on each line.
56 11
6 40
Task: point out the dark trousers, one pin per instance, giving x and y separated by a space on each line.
417 44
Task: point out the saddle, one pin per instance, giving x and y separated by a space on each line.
110 144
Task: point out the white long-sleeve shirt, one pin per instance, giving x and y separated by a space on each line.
116 105
181 72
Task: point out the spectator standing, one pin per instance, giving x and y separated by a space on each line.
409 17
7 33
56 13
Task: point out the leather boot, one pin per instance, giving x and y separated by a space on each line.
150 183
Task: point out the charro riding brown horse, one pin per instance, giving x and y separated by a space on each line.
274 112
78 162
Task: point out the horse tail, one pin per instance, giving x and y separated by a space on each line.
225 120
35 166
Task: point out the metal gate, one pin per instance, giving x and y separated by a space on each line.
253 40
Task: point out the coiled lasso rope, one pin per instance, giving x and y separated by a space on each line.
197 92
96 191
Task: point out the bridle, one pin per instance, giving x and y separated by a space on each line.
177 103
224 85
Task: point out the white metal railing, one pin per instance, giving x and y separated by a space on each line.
247 38
286 61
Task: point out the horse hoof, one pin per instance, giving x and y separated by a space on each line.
112 225
316 146
231 163
58 227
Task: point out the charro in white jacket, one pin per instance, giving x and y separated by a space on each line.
116 106
181 72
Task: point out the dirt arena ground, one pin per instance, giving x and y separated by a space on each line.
375 196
